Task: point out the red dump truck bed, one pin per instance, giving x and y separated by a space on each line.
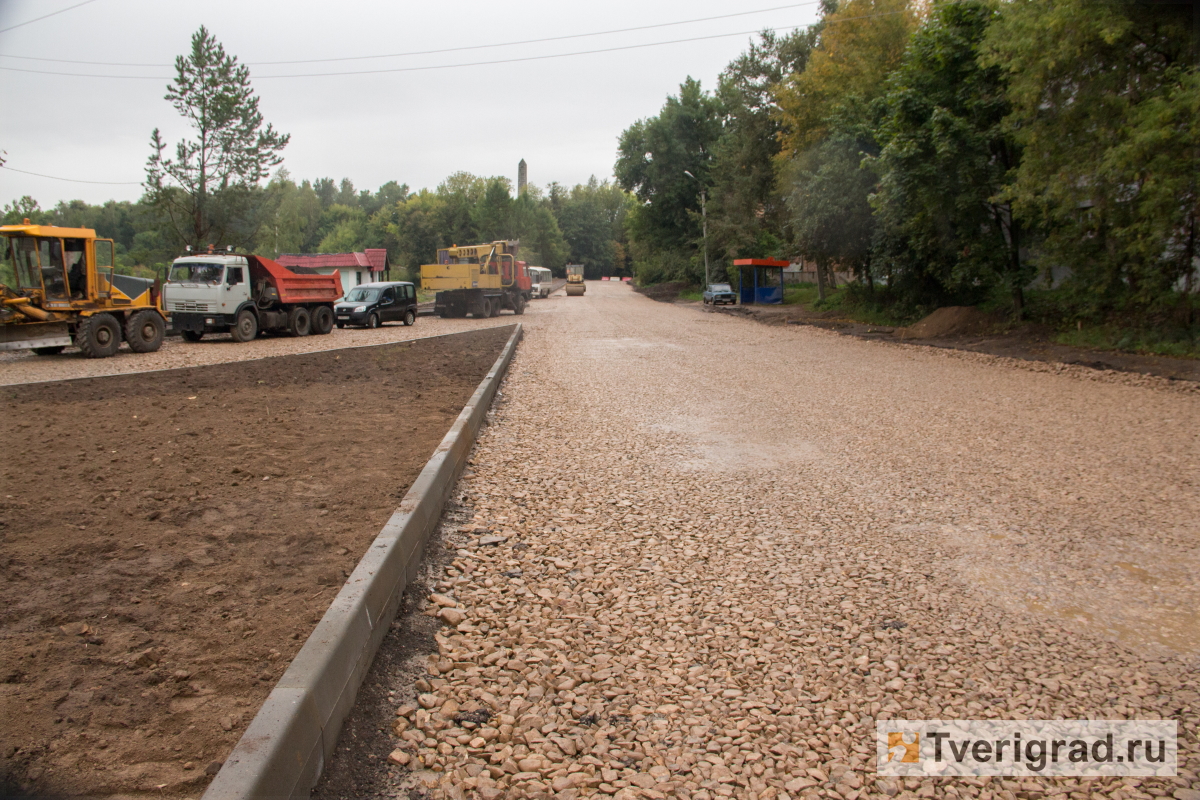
296 287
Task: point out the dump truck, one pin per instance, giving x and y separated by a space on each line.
479 280
64 291
245 295
575 284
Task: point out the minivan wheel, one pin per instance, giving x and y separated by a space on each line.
373 320
410 317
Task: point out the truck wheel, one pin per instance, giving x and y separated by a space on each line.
322 320
145 331
192 336
494 307
410 317
245 327
483 310
98 336
519 305
48 351
373 321
299 321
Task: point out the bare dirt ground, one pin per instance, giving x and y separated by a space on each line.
167 542
699 558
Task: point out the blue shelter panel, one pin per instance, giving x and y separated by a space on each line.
761 280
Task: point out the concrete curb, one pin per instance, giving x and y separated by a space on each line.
284 749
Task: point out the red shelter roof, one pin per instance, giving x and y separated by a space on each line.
760 262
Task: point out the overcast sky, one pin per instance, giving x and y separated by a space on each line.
562 115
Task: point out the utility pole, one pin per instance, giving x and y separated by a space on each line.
704 223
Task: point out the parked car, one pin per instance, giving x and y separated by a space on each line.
718 293
372 304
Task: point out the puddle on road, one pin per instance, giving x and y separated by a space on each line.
1145 599
715 448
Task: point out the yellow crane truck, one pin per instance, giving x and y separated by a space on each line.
575 284
64 291
479 279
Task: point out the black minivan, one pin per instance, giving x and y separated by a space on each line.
372 304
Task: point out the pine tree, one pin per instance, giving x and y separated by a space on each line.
209 192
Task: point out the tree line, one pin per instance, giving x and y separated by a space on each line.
212 188
953 152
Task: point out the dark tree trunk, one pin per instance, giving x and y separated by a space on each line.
1014 246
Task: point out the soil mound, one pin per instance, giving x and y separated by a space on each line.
950 321
664 292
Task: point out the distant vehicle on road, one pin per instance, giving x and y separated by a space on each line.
575 285
718 293
542 281
372 304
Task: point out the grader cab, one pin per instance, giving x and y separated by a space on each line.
60 288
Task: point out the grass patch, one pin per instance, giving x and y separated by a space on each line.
695 295
852 301
1177 343
797 294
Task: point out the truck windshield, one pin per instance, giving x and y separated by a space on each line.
196 273
360 295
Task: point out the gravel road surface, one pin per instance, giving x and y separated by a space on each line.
23 366
697 557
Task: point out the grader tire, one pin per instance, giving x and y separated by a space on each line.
98 336
145 331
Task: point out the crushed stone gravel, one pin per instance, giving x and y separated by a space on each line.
698 558
24 366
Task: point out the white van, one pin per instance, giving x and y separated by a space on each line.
542 280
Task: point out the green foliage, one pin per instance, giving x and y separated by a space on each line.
592 219
1106 103
831 214
346 230
654 156
209 192
746 212
861 43
946 157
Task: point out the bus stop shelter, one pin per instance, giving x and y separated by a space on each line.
760 280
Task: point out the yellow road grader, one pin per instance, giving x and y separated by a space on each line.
64 291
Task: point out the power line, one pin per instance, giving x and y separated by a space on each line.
71 180
474 63
441 50
45 16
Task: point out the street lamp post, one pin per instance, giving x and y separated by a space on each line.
704 224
